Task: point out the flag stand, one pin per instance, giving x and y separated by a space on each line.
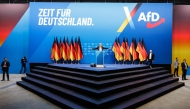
132 62
54 61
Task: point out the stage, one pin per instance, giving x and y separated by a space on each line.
107 67
80 86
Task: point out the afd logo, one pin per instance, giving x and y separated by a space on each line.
152 18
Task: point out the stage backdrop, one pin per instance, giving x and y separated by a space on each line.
181 35
26 31
100 23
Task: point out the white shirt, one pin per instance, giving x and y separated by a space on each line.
185 65
100 48
176 64
4 63
150 56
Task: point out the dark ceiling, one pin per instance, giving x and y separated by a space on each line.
175 2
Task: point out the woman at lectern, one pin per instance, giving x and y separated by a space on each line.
100 47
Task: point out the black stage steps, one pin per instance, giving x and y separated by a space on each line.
87 88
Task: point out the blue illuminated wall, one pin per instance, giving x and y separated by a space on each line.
105 21
32 36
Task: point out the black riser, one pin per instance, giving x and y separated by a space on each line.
110 92
93 77
120 88
85 83
80 90
58 103
106 93
94 84
82 75
104 104
65 95
152 98
120 81
95 72
134 94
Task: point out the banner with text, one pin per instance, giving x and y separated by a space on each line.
100 23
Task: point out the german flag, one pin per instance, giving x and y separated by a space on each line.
57 51
53 50
127 54
135 57
64 50
118 52
67 49
116 49
123 49
132 49
79 50
114 45
60 48
76 48
72 50
139 50
145 55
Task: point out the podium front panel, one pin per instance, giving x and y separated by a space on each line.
99 57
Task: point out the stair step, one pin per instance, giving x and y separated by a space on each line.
133 77
125 104
128 85
65 72
65 78
117 88
135 91
135 83
145 97
95 76
72 94
102 91
95 70
62 83
132 72
94 84
109 81
57 99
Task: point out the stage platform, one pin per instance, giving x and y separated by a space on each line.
79 86
107 67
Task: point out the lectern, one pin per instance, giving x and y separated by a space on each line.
100 59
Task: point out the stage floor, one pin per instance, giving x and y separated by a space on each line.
107 66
